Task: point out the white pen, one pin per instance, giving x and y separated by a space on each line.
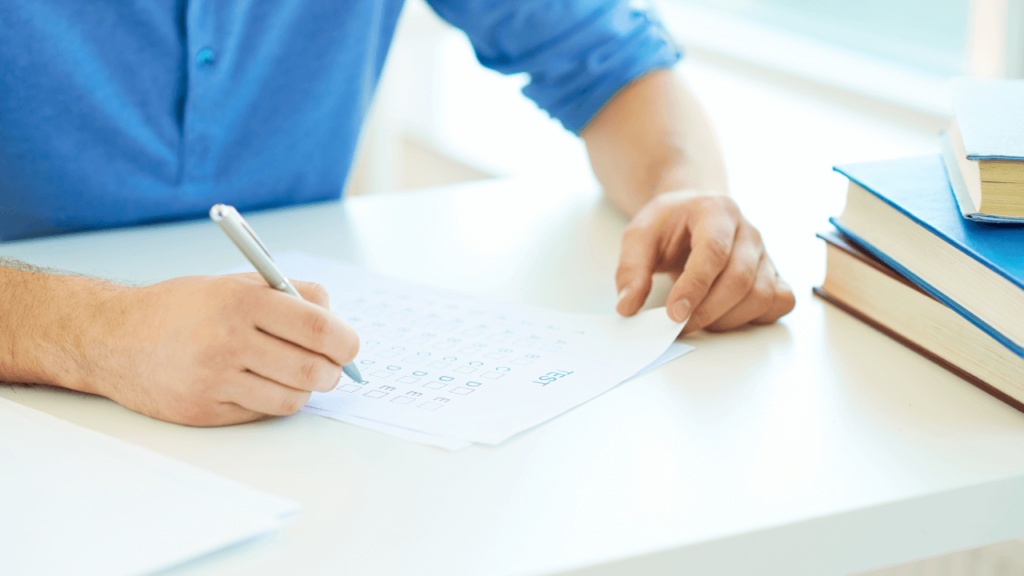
232 223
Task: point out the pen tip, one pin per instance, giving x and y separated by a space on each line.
352 372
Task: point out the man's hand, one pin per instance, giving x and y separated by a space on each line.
215 350
650 141
723 276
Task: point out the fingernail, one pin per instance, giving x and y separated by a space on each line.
622 295
681 310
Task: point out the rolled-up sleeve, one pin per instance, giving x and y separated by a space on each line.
578 53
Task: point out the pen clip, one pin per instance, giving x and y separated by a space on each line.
255 238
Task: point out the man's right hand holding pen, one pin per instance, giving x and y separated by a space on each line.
202 350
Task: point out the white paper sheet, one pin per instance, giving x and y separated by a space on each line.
467 368
74 501
452 444
675 350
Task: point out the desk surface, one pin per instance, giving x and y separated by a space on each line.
814 446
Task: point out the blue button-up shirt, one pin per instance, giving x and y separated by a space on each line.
119 113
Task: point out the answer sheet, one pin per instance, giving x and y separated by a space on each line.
464 368
675 350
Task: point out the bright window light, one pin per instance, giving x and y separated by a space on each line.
930 35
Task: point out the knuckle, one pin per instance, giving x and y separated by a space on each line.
718 203
319 294
782 303
755 237
285 404
728 204
718 248
310 372
711 202
240 294
742 278
320 327
293 402
700 285
763 294
659 202
711 199
217 345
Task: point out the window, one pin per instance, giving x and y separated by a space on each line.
930 35
900 52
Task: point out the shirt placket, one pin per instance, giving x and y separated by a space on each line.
198 139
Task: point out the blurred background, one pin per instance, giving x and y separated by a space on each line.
440 117
792 86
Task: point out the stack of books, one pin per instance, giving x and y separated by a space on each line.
937 268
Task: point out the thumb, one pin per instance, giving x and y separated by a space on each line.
636 267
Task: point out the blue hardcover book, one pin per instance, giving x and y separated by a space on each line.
984 149
904 213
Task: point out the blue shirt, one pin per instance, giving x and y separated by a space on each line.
120 113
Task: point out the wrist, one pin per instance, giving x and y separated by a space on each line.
55 323
684 173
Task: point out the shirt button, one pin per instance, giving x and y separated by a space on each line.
205 58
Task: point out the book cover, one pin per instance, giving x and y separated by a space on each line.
990 114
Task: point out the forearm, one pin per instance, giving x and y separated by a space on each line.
45 322
652 137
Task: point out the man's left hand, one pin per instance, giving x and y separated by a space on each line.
723 276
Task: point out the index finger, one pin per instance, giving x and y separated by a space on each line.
636 267
313 292
710 249
307 325
310 291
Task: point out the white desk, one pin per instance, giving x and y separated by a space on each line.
813 447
